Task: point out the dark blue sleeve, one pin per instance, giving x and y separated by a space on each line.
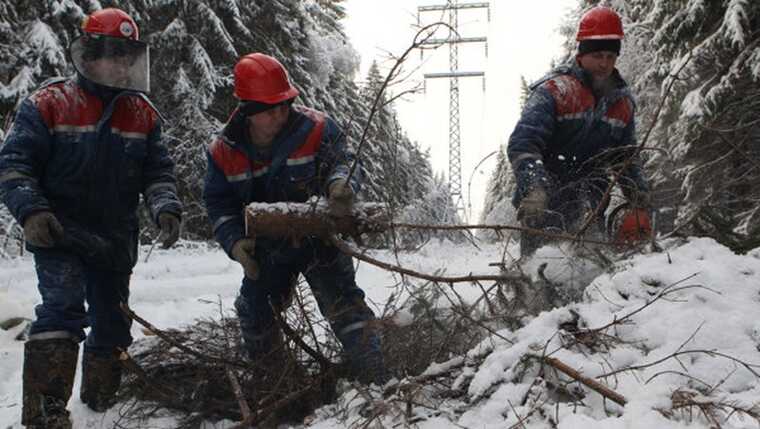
335 154
225 210
23 157
529 141
159 181
534 130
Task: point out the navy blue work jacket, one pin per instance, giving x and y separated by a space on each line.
567 134
87 161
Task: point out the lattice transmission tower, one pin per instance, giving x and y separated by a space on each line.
452 8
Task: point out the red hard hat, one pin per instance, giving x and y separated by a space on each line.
630 225
600 23
111 22
259 77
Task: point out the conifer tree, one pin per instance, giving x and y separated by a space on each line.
705 165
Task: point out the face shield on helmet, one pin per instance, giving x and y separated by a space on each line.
113 62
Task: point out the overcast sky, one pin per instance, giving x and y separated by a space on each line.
522 40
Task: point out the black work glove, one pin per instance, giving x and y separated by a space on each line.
340 200
169 225
243 251
42 229
533 206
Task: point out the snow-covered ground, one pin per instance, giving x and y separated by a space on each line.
706 302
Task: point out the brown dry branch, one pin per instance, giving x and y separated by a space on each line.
245 409
309 324
296 338
629 162
362 256
713 409
500 228
586 381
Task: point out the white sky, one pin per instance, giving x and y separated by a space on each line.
522 40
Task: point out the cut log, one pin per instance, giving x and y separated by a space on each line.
296 221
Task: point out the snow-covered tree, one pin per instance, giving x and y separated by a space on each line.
498 204
435 207
706 163
398 171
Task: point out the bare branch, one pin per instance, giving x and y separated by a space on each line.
588 382
345 248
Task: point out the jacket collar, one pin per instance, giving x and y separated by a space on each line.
104 93
235 133
585 77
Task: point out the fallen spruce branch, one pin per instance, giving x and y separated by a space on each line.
191 381
711 408
168 338
126 361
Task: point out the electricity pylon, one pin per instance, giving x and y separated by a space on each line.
452 8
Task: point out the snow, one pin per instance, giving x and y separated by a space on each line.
693 103
755 64
330 56
735 22
41 38
702 301
22 83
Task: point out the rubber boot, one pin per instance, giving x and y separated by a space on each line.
101 378
362 348
49 368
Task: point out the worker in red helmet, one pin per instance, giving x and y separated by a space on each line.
109 52
577 126
270 151
80 153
